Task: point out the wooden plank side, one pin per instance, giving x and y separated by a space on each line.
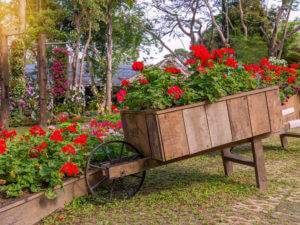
218 123
196 129
154 138
173 135
136 132
293 102
259 115
275 112
239 118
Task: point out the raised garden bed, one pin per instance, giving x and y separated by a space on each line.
32 208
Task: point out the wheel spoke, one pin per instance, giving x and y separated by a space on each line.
98 183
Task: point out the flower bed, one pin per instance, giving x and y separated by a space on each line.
40 160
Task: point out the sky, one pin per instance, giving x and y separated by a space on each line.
156 55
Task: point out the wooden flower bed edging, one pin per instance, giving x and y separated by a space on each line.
31 209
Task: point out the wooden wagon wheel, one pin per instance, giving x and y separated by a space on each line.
108 154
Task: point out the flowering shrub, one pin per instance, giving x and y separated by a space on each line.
41 159
212 75
59 70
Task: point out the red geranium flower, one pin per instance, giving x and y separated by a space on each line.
115 109
176 92
8 134
121 95
125 83
69 149
190 62
81 140
2 146
172 70
291 79
56 136
201 52
41 147
70 169
72 128
265 62
137 66
268 78
143 81
37 130
232 63
201 69
294 65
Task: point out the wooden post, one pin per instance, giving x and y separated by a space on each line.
259 163
228 165
42 78
109 61
4 79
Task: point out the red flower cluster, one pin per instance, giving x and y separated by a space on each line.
201 69
70 169
291 80
172 70
8 134
190 62
41 147
176 92
231 62
295 66
137 66
125 83
121 95
71 128
143 81
69 149
81 140
37 130
115 109
2 146
201 52
219 53
56 136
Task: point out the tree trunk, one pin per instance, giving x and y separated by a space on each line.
281 45
87 44
42 78
242 19
4 79
75 56
214 22
22 27
273 40
108 102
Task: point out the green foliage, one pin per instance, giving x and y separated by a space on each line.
251 49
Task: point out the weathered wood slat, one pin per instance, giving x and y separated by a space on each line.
136 132
173 135
154 138
275 112
218 123
239 118
259 114
197 129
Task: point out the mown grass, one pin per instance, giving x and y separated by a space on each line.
187 191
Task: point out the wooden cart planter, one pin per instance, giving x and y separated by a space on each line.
165 136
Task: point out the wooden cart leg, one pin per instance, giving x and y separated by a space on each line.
259 164
228 165
284 141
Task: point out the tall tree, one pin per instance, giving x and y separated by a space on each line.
4 78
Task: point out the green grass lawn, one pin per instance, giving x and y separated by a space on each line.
193 191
